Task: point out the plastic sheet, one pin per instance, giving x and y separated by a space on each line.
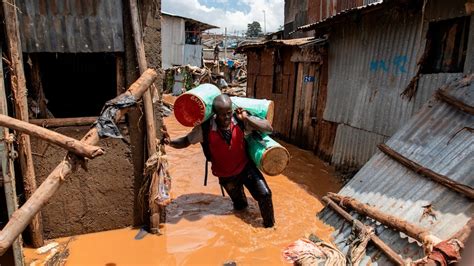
105 123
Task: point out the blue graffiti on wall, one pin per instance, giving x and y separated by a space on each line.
397 64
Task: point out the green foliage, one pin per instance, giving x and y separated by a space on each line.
188 79
254 29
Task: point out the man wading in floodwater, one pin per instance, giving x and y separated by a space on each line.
222 139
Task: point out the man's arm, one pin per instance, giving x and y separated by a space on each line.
254 122
193 137
180 143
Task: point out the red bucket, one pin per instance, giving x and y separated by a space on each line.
195 106
189 110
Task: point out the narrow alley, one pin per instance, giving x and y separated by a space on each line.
202 228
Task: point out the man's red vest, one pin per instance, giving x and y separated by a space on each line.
228 160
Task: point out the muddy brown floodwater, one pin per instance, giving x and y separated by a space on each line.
201 226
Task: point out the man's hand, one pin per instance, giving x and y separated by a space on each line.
241 114
166 139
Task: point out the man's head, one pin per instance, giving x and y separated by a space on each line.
222 106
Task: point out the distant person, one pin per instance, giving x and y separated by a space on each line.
216 53
223 142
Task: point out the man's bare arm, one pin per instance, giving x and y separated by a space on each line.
180 143
254 122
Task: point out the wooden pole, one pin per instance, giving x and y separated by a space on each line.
391 254
8 173
66 122
149 117
19 92
20 218
414 231
442 95
70 144
415 167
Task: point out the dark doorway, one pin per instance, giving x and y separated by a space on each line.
76 85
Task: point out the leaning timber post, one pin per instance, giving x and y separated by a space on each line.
18 84
20 218
8 172
414 231
149 117
389 252
68 143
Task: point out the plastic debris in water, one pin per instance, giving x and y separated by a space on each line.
46 248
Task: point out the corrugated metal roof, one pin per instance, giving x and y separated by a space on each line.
343 8
202 25
435 139
273 43
71 26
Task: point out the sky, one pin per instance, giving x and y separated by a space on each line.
233 14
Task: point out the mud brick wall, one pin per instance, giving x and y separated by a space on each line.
97 200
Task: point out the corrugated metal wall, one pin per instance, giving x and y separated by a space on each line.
354 147
321 9
172 41
370 64
71 26
433 138
193 55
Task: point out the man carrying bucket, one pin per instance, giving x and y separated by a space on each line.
222 138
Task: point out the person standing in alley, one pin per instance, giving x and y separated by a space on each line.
216 53
223 140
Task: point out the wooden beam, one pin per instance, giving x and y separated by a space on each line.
414 231
415 167
68 143
389 252
8 173
20 218
66 122
149 116
442 95
20 104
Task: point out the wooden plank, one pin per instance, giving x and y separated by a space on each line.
325 131
19 92
20 218
326 137
296 108
8 172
